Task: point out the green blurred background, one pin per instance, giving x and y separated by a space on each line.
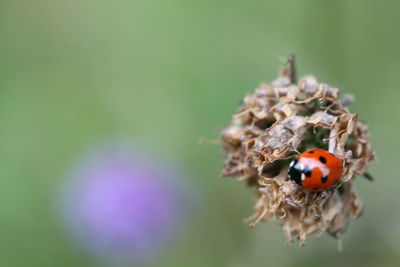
165 73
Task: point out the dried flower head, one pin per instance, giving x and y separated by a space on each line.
276 122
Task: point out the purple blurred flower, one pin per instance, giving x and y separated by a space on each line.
124 205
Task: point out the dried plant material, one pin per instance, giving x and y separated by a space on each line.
323 119
276 122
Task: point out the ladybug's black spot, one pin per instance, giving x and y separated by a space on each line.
322 159
324 179
307 171
311 151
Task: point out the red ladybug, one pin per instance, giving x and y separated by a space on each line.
316 170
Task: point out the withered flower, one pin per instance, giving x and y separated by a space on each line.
272 126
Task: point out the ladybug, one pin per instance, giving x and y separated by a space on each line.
316 170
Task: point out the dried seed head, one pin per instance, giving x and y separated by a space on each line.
272 125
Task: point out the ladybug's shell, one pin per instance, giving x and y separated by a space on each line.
319 170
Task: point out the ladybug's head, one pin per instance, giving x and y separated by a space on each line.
297 172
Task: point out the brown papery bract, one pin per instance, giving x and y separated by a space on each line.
273 125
